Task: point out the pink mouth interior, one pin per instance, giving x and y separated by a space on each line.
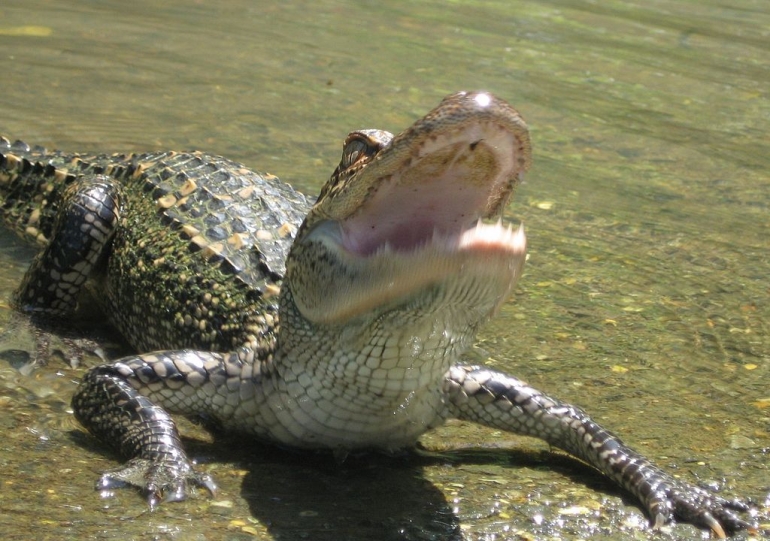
438 196
406 217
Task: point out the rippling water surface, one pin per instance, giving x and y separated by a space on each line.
645 299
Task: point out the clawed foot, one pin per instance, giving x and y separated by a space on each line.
699 507
157 481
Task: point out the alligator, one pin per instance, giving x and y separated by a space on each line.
337 324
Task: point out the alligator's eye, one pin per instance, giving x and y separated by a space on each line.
359 149
361 146
352 151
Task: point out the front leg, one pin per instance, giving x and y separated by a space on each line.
126 405
78 240
496 400
88 213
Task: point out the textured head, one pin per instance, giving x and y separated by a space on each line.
401 214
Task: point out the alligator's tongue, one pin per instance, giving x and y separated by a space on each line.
447 186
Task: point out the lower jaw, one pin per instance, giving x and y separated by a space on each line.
489 255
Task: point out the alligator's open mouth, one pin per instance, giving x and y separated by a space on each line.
450 183
418 218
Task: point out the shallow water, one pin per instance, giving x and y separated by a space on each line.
648 213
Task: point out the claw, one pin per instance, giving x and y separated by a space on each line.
153 496
714 524
207 482
152 502
176 494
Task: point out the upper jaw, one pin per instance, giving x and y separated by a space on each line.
454 166
472 132
443 186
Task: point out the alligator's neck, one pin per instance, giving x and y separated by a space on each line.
372 381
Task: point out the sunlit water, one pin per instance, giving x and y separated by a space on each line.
645 298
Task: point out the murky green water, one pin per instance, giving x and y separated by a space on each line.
648 210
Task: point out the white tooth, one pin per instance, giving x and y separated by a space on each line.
520 236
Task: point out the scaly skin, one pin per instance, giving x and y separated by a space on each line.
181 249
352 344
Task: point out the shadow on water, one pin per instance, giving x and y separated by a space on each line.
308 495
304 495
